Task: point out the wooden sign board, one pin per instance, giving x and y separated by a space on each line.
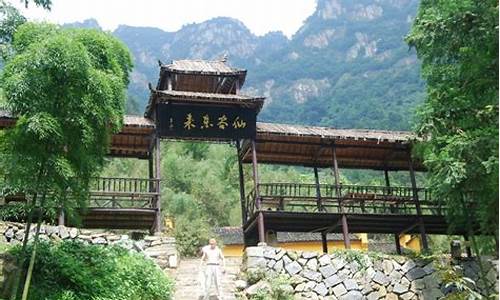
205 121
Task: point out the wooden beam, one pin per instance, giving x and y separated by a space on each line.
345 232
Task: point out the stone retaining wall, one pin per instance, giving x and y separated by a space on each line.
161 249
361 275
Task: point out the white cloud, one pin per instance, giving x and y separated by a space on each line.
260 16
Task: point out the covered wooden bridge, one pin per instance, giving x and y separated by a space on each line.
337 207
120 203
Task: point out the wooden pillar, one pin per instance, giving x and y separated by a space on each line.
157 205
345 228
324 242
387 181
318 190
242 184
423 235
260 217
398 244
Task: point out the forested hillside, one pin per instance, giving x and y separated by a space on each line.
347 66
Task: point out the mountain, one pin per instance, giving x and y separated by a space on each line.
347 66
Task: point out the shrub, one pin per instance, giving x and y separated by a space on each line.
190 235
73 270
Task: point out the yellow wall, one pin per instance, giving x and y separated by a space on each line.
316 246
410 242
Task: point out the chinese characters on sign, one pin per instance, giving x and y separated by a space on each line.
205 121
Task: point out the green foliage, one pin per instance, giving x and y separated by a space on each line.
67 88
457 42
75 271
10 19
280 287
463 287
191 234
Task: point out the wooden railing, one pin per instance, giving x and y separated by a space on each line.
363 199
112 192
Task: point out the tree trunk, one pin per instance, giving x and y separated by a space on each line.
29 273
18 273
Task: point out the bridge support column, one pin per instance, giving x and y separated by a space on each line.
324 241
260 216
242 184
345 232
423 235
398 244
157 204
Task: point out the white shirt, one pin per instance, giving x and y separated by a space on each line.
212 255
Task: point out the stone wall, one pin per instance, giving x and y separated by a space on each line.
361 275
160 248
7 267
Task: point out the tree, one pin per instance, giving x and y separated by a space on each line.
67 89
457 42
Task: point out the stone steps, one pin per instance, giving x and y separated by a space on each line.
187 286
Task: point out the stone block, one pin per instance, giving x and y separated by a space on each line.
254 252
312 264
351 284
381 278
332 281
172 261
327 270
324 260
407 266
309 254
415 273
352 295
400 288
311 275
256 262
278 266
339 290
321 289
293 268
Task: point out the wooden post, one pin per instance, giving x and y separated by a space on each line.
157 158
324 242
396 235
260 217
345 228
242 184
398 244
318 190
423 235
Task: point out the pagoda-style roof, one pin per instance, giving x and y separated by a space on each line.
201 76
133 140
166 96
312 146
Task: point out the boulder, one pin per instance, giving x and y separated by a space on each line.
320 289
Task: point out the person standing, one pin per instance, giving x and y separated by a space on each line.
212 255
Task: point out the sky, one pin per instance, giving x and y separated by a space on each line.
260 16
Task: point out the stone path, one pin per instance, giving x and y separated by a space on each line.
187 286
